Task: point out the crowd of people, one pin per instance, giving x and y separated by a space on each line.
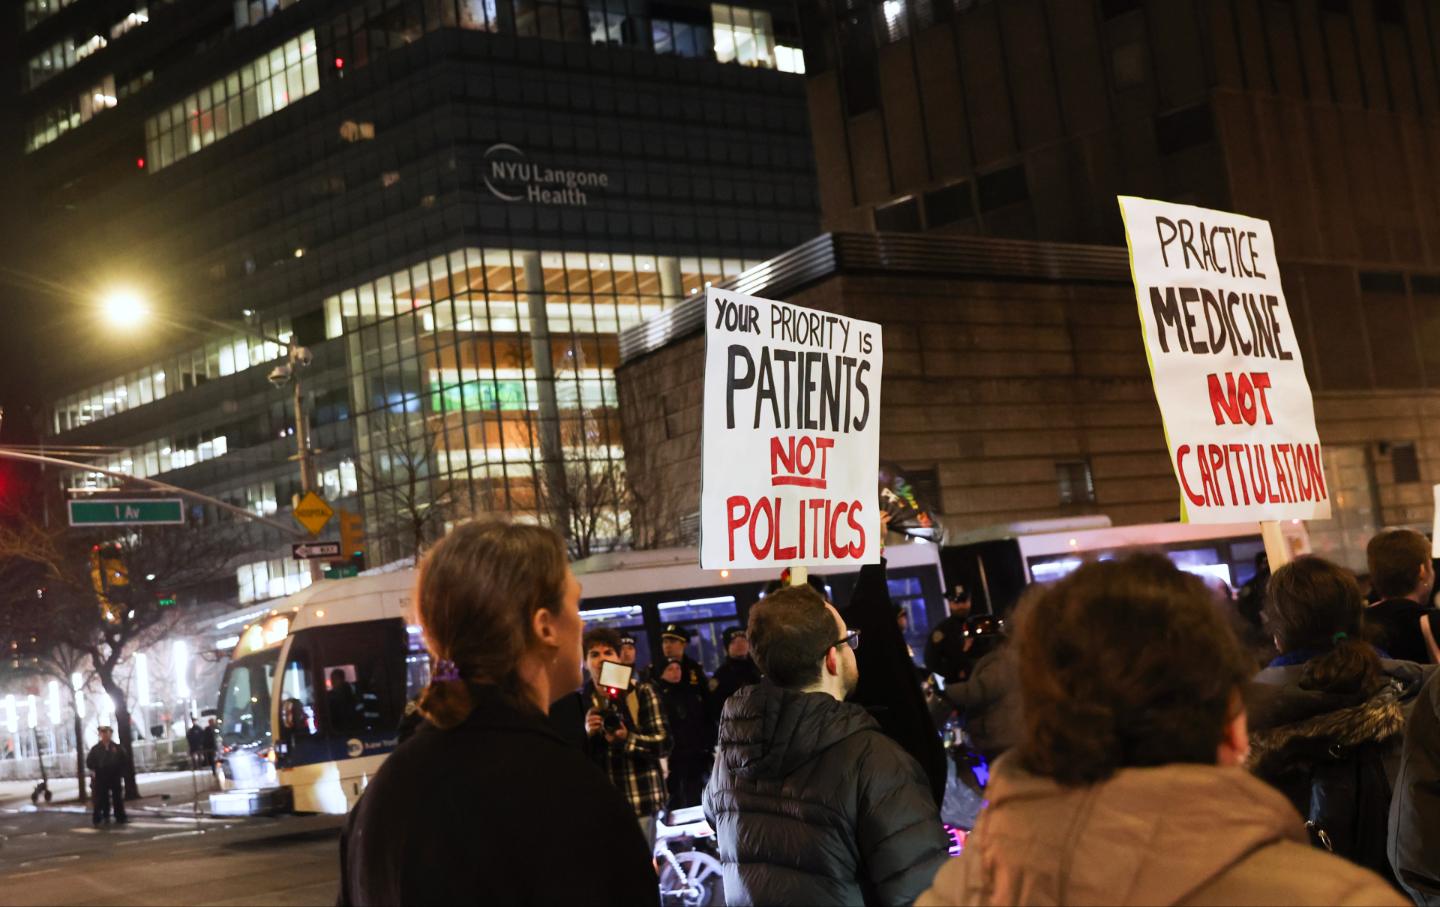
1148 741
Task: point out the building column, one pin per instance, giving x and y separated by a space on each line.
671 290
552 454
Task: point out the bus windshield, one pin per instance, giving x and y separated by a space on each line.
245 700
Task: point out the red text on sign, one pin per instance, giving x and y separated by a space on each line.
818 528
1235 402
799 460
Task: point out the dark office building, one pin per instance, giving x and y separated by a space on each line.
454 204
985 142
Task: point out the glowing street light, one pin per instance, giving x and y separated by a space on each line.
123 308
53 703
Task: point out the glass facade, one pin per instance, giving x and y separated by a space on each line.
254 91
483 381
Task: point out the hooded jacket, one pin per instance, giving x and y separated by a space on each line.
812 804
1334 755
1414 840
1174 834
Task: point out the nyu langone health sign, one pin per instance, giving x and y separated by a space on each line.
511 177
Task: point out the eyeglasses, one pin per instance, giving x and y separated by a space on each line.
851 639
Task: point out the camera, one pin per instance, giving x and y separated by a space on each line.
614 682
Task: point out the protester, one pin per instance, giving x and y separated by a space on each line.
692 736
195 741
628 735
1414 830
739 669
1327 714
1126 786
106 762
889 687
470 809
811 803
627 649
1402 574
989 702
947 651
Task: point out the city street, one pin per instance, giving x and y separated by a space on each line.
166 854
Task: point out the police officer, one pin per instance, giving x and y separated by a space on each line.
947 651
738 670
627 651
690 713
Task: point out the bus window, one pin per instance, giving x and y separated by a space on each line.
343 705
245 708
707 620
417 664
297 742
907 593
364 677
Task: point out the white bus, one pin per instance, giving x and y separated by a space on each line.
353 657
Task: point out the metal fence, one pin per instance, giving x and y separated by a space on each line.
150 756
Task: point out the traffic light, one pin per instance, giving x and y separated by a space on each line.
107 572
352 538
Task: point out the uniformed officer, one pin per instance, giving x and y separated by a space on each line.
947 651
685 690
738 670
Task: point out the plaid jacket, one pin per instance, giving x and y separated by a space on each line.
633 764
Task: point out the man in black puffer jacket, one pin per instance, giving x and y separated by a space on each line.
811 803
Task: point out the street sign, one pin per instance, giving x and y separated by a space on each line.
313 513
341 571
302 551
127 512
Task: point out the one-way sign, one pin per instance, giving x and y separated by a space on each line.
306 550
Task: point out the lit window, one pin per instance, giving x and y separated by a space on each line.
744 36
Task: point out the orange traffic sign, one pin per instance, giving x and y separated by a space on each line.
313 513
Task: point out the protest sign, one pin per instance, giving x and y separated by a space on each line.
1239 418
791 436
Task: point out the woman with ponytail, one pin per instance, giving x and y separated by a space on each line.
1327 716
1126 785
480 804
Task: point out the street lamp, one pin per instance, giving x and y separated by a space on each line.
123 308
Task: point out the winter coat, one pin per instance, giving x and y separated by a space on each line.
1414 839
889 687
1173 834
731 676
692 734
990 702
812 804
1335 756
106 761
473 815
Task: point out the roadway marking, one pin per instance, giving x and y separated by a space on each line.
26 875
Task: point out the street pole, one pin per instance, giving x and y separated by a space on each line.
303 451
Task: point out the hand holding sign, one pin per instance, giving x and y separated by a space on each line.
792 435
1239 419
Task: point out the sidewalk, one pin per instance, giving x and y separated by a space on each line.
161 793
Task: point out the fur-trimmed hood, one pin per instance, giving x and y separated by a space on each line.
1378 719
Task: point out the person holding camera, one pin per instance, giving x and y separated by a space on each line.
625 728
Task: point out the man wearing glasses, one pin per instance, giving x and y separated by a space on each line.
811 803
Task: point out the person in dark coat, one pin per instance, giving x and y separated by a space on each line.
484 802
889 686
810 801
195 741
1415 806
692 736
106 762
1326 717
739 669
674 643
947 651
1403 623
989 702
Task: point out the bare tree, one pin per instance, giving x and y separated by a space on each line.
412 503
587 500
100 597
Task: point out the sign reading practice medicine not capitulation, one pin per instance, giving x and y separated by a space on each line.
1239 418
791 436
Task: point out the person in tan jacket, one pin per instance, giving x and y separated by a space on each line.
1127 786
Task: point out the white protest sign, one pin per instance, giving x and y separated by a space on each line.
792 436
1239 418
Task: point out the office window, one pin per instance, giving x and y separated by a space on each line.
1405 462
948 205
264 86
681 38
52 60
892 20
619 22
1075 481
744 36
253 12
37 11
53 123
1002 188
1188 127
899 216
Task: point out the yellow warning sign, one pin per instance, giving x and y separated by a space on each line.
313 513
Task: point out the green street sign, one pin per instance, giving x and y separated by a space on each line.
341 571
127 512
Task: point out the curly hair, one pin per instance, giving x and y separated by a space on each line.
1126 663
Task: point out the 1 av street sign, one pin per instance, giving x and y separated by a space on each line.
306 550
132 512
313 513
